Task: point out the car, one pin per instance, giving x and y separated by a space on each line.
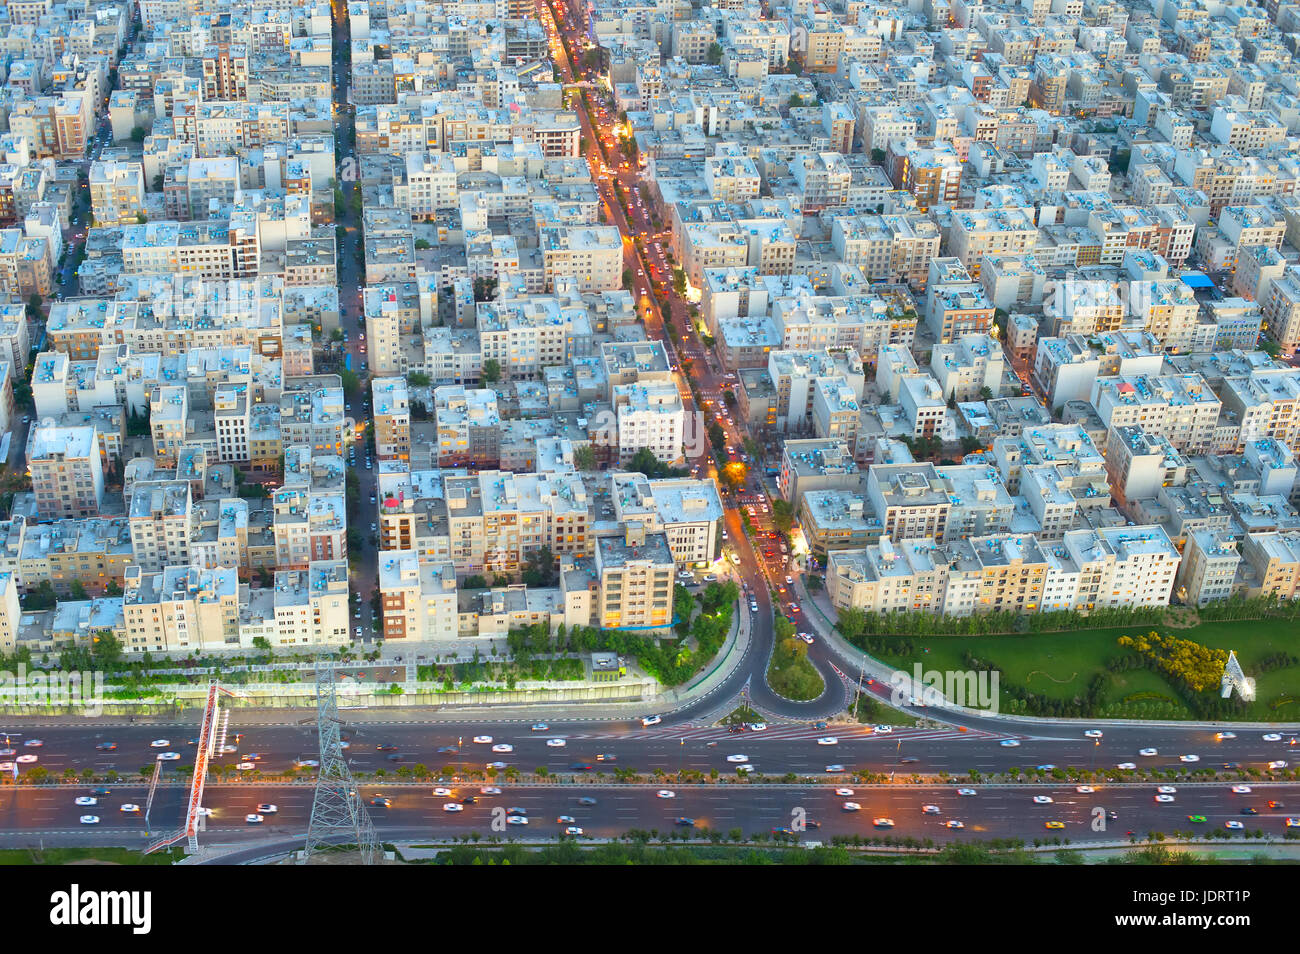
820 725
954 824
844 791
1092 734
967 791
565 820
358 632
651 720
1248 810
381 801
489 790
828 740
836 767
162 757
87 800
606 757
1054 824
665 793
757 726
385 748
241 766
1293 823
1167 790
252 757
516 820
503 747
1241 789
159 744
555 743
573 830
1189 758
540 726
1221 736
1126 766
884 729
447 750
496 765
130 808
1273 803
1272 737
483 739
1042 799
345 745
1009 743
1233 825
852 807
33 743
267 809
1148 753
90 819
298 763
1277 764
253 818
1196 819
586 800
443 793
1046 767
883 822
453 807
101 792
1164 798
1085 789
930 809
106 747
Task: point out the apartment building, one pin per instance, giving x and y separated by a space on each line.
392 418
67 470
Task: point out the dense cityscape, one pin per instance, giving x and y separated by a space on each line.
620 411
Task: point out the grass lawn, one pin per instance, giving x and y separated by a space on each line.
111 856
1061 665
791 675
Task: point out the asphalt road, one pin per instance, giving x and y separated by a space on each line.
51 816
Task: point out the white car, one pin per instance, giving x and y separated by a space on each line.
1126 766
1167 790
227 750
884 729
1164 798
954 824
483 739
1148 753
1272 737
828 740
573 830
1009 743
967 791
1085 789
254 819
757 726
453 807
130 808
489 790
87 800
173 756
205 812
1220 736
442 793
268 809
496 765
90 819
930 809
242 766
555 743
652 720
1293 823
737 758
883 822
1233 825
159 744
540 726
744 769
664 793
852 807
25 759
1241 789
844 791
33 743
1042 799
836 767
1277 764
1189 758
1092 734
503 747
516 820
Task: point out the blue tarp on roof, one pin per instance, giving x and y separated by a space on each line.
1197 280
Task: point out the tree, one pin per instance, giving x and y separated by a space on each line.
878 156
262 643
539 568
417 379
138 134
729 397
627 278
679 281
986 393
351 383
852 622
714 55
77 590
782 515
421 245
491 371
41 598
34 306
106 649
584 457
475 582
794 100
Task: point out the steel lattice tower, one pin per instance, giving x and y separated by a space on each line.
337 815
